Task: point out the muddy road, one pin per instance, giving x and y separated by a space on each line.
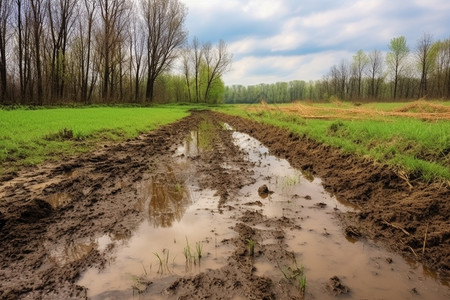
218 207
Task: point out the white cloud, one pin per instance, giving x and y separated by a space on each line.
263 9
290 39
252 70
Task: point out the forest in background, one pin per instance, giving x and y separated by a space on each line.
126 51
400 74
103 51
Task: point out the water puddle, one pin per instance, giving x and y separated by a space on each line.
198 141
318 241
183 235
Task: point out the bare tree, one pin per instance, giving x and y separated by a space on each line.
61 20
425 58
164 20
137 51
87 80
185 60
197 56
442 70
396 59
110 40
341 73
5 10
22 45
217 62
37 15
375 71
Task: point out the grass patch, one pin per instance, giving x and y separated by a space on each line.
29 137
420 148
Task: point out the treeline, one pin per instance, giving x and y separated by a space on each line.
103 51
401 73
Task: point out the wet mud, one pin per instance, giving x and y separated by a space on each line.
219 207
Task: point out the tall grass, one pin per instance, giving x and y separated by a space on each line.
28 137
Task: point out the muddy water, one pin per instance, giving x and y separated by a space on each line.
180 216
318 242
182 221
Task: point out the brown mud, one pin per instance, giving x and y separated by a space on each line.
62 223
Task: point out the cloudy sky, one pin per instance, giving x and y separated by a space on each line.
283 40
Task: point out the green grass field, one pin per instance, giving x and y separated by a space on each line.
28 137
419 148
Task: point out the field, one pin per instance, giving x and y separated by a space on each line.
28 137
412 138
296 201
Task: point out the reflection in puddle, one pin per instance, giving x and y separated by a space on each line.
164 198
198 141
318 241
191 147
75 250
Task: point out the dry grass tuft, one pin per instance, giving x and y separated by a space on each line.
422 106
419 110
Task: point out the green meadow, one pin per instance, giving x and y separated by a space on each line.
28 137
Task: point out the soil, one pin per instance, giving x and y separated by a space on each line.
45 209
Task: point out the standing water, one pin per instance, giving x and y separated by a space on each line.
183 221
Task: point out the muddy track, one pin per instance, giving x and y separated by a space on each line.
45 212
97 184
391 211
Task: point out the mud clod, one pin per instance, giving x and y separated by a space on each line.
352 232
336 288
320 205
263 191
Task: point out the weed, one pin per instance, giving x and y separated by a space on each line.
62 134
296 275
251 247
206 134
302 284
289 181
308 175
198 248
163 262
187 253
179 188
160 268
